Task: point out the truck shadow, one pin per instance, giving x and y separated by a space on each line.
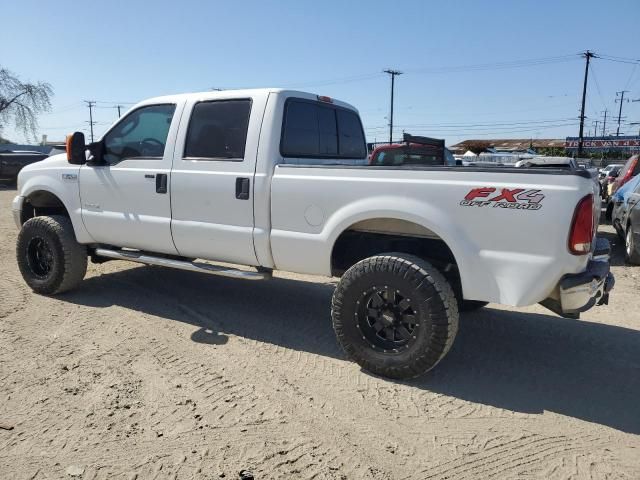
7 185
522 362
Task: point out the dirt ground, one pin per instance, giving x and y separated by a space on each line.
154 373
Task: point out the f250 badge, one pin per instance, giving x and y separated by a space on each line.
515 198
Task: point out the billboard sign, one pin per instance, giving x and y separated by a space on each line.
604 144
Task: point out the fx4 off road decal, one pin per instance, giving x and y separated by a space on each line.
517 198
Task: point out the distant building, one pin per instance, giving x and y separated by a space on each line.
509 145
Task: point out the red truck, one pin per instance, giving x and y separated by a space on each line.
414 150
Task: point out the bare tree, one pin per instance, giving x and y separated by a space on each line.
20 102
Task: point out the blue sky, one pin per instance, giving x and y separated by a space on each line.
125 51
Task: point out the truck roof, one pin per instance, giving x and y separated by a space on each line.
224 94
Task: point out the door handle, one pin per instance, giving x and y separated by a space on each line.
161 183
242 188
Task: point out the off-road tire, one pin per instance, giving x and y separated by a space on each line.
631 254
68 259
436 310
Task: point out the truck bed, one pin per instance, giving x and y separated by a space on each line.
511 251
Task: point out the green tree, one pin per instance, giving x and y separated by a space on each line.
22 102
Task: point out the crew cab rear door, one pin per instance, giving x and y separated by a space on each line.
212 178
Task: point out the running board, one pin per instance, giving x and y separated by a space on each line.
139 257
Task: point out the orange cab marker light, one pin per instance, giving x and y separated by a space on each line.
324 98
68 146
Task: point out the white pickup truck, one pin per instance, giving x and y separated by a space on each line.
279 179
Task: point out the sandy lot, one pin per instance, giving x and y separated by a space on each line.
152 373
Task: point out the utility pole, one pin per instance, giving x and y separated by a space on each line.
393 74
620 111
604 124
118 107
595 128
91 104
588 55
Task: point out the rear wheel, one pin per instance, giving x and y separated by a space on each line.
49 257
631 254
395 315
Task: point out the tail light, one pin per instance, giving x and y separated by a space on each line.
582 225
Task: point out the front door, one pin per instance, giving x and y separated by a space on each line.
126 202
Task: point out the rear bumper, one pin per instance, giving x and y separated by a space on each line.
578 292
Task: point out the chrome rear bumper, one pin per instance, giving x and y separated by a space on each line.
579 292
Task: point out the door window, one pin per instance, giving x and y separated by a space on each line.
141 134
218 130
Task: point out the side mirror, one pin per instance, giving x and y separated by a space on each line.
96 154
76 149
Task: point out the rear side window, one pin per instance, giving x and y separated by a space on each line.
351 137
315 130
218 130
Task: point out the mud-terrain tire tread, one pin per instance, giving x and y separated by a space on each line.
433 292
70 257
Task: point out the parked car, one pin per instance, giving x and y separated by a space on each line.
540 161
626 218
12 161
262 178
630 169
605 171
414 151
607 177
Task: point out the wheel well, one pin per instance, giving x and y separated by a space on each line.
366 239
40 203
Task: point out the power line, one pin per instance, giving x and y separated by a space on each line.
506 123
114 102
611 58
378 130
495 65
595 79
339 80
633 71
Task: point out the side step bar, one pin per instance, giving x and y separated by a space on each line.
140 257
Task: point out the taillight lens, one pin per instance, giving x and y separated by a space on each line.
581 233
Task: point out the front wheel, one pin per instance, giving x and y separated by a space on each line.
395 315
49 257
